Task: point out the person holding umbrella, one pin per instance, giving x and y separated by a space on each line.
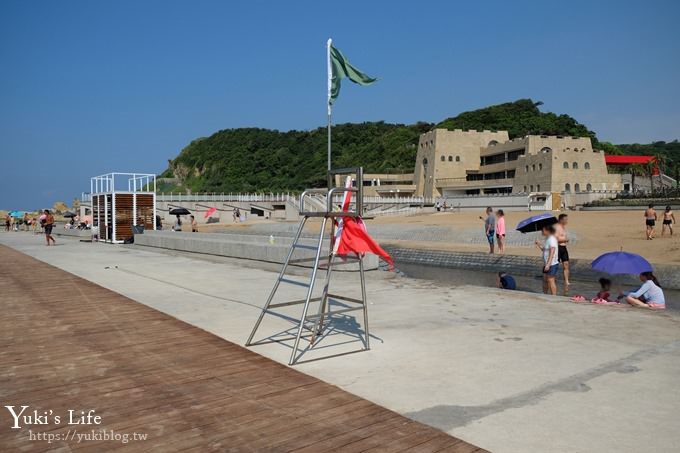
550 259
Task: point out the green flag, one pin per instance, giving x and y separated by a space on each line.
338 68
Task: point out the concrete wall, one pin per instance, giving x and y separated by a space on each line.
245 246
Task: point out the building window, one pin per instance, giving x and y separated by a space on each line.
443 158
567 188
589 188
546 150
587 166
457 158
574 165
493 142
538 188
525 189
425 161
532 187
577 187
526 169
533 167
565 165
450 158
540 166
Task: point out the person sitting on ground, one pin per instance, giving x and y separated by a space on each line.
668 221
605 288
506 281
649 295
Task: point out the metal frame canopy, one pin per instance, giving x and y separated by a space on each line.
122 201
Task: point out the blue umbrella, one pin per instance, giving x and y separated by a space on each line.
536 223
621 263
16 214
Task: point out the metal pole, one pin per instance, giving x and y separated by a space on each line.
330 86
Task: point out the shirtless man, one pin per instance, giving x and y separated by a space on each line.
650 221
668 220
562 252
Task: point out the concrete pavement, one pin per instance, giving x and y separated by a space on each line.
509 372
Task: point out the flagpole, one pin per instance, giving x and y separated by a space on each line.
328 103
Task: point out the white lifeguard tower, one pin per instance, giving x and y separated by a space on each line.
121 203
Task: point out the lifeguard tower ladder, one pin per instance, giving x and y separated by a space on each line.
312 326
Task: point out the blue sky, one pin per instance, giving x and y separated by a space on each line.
92 87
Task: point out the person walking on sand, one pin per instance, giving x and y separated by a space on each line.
668 221
550 260
8 222
500 230
49 224
650 221
194 225
489 227
562 252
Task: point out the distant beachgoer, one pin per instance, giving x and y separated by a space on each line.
489 227
178 225
237 215
25 221
8 222
550 260
159 222
500 230
668 221
562 252
506 281
438 206
649 295
49 224
650 221
194 225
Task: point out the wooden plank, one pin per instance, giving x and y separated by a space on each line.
66 343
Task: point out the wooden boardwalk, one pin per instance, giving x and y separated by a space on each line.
66 343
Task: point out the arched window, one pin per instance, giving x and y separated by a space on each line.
443 158
450 158
577 187
525 189
531 187
589 188
574 165
565 165
457 158
493 142
546 149
587 166
538 188
567 188
425 161
540 166
533 167
526 169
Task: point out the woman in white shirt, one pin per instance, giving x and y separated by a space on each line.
550 260
649 295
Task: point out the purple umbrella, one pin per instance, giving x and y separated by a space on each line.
621 263
536 223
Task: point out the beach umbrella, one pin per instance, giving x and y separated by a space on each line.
210 212
69 214
179 211
16 214
536 223
621 263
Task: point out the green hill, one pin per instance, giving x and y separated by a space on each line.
253 159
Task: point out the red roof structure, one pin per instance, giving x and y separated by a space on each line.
611 159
